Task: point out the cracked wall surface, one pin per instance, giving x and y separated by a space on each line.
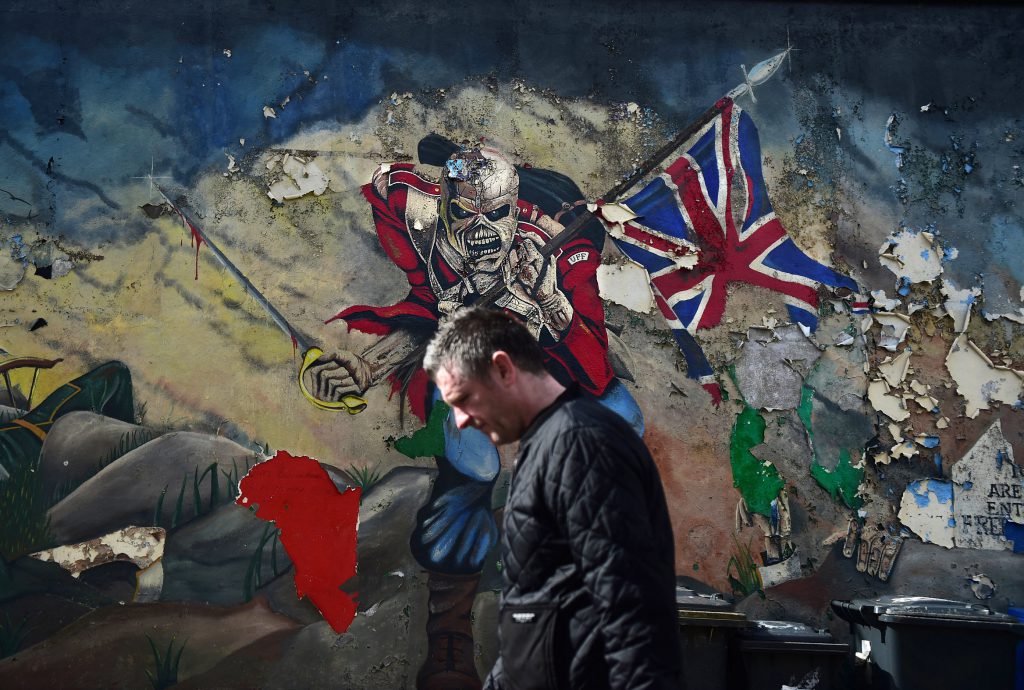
839 407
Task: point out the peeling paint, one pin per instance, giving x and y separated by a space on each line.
776 574
982 586
893 370
988 492
771 366
978 380
891 406
12 270
903 450
894 329
927 509
958 303
301 177
913 256
142 546
626 284
843 482
841 479
617 217
880 301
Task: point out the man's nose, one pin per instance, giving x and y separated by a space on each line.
462 420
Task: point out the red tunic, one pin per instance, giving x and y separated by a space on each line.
579 355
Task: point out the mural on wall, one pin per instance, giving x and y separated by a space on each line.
810 305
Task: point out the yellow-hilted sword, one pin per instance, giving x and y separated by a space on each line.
353 404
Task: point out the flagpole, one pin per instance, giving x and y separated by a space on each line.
759 74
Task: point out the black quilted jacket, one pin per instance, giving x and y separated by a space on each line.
589 576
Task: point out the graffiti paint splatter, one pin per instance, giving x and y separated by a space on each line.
758 482
318 527
428 441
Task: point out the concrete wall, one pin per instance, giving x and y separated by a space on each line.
871 452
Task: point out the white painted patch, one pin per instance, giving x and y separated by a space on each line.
844 339
978 380
300 177
959 303
903 450
913 256
988 489
880 301
927 509
789 569
894 329
625 284
893 370
889 405
143 546
578 257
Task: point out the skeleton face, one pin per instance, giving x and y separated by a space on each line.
478 209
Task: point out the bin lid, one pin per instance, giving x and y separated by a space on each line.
920 610
688 599
788 636
705 618
785 631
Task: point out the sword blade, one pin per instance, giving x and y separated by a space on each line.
298 339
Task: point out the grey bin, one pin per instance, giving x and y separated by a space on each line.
771 654
706 625
921 642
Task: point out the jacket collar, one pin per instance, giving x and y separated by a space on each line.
571 392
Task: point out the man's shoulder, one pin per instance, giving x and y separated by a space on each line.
582 417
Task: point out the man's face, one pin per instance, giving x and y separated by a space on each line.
480 213
482 403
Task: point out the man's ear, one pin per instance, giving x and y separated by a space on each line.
504 369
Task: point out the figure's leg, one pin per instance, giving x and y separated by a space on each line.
618 399
454 532
106 390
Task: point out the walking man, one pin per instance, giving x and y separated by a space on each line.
588 597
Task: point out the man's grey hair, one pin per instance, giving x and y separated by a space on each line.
469 340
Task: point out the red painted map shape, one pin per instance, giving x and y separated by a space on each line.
318 528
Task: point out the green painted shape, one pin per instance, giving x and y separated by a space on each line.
843 481
804 411
759 483
428 441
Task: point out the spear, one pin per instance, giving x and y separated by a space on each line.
353 404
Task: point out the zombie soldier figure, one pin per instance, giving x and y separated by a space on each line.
455 238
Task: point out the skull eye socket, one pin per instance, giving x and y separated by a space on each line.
458 211
499 213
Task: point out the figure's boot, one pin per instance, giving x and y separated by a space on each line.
449 664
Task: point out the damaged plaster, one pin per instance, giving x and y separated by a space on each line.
979 381
143 546
627 284
771 366
959 303
988 492
914 257
299 177
927 509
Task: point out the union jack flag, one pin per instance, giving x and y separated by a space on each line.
706 221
